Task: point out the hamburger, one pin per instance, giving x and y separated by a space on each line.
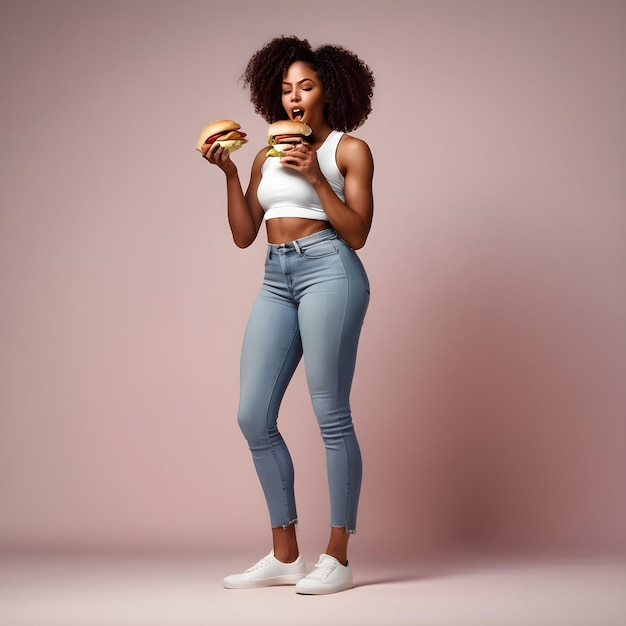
224 132
286 133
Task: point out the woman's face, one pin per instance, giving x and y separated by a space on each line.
303 94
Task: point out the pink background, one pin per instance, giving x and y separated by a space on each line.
490 397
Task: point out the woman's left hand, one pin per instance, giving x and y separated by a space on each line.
303 158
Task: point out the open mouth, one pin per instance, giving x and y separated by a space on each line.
297 115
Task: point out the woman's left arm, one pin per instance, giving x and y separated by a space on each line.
351 219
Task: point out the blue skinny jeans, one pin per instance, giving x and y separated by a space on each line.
312 303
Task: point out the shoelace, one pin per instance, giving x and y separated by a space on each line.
262 563
323 569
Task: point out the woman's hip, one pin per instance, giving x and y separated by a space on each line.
320 262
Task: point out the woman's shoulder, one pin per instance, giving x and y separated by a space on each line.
353 150
353 144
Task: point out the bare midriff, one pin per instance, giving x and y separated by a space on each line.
285 229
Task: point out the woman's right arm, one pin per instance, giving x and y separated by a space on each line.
245 214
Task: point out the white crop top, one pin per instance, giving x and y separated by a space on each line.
283 192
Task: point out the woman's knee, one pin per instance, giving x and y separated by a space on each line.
249 424
253 424
336 423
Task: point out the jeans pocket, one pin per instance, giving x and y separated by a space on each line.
321 249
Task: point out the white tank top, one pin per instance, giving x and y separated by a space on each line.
283 192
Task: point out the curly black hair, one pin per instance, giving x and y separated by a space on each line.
347 80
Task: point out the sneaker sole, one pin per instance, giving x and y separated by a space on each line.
275 581
321 591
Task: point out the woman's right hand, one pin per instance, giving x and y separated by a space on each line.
215 154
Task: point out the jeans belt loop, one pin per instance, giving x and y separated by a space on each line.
297 247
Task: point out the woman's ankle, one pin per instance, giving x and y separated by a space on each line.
342 557
286 557
338 544
285 543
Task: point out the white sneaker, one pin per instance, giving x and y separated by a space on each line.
328 576
267 572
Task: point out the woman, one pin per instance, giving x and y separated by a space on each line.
316 202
